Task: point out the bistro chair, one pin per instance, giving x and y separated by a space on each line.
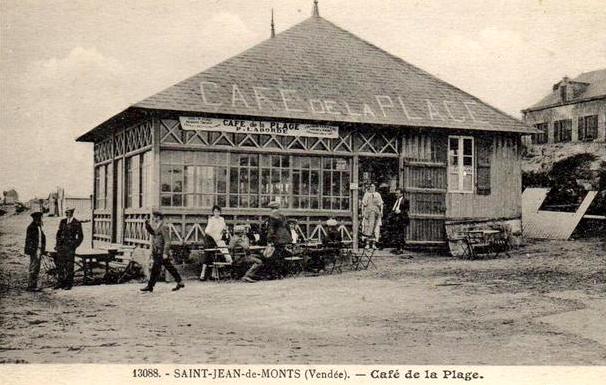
295 261
362 259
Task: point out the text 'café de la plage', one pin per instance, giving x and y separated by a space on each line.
306 118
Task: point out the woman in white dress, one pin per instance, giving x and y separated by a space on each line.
215 229
372 212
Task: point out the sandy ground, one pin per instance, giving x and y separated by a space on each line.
545 305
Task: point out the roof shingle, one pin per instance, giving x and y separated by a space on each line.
318 71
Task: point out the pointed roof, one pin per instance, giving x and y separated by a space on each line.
592 85
318 71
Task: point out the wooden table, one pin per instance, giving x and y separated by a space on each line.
87 260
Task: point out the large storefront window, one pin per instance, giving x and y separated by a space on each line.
335 184
192 179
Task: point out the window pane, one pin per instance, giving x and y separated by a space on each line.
165 200
165 178
275 160
221 180
254 181
345 184
345 204
326 184
296 182
305 162
467 147
177 200
315 202
468 182
254 201
315 162
190 200
453 183
233 201
177 179
467 161
314 185
189 179
233 180
305 182
221 201
244 181
265 181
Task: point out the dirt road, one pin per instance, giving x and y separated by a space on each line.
546 305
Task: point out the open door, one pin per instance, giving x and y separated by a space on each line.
424 180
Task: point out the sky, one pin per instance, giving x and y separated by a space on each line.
66 66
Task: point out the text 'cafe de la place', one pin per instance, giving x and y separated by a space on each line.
306 118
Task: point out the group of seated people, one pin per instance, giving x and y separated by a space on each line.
280 239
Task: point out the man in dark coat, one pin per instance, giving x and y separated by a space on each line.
160 252
278 235
69 237
35 246
398 217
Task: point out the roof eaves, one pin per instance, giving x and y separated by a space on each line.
575 101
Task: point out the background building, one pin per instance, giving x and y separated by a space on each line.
10 197
571 118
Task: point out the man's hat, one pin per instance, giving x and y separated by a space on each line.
292 220
70 209
157 213
274 205
331 222
36 215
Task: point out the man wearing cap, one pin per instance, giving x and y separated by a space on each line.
69 237
278 235
35 244
160 252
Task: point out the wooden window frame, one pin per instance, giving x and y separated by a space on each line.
558 131
460 165
583 129
541 138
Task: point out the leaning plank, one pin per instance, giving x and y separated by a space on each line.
550 224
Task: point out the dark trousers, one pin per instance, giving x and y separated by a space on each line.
159 261
65 267
400 235
34 270
276 263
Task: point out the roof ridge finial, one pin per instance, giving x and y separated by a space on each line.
273 30
316 11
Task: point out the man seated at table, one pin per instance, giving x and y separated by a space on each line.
292 226
239 245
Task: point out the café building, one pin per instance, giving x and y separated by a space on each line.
307 118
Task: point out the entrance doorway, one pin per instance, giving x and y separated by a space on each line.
385 174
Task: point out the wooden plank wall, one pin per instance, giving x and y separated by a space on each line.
505 199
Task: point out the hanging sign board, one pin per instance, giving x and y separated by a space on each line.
259 127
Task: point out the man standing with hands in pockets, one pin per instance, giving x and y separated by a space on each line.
69 237
399 221
160 252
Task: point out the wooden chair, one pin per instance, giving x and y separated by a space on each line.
295 261
362 259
